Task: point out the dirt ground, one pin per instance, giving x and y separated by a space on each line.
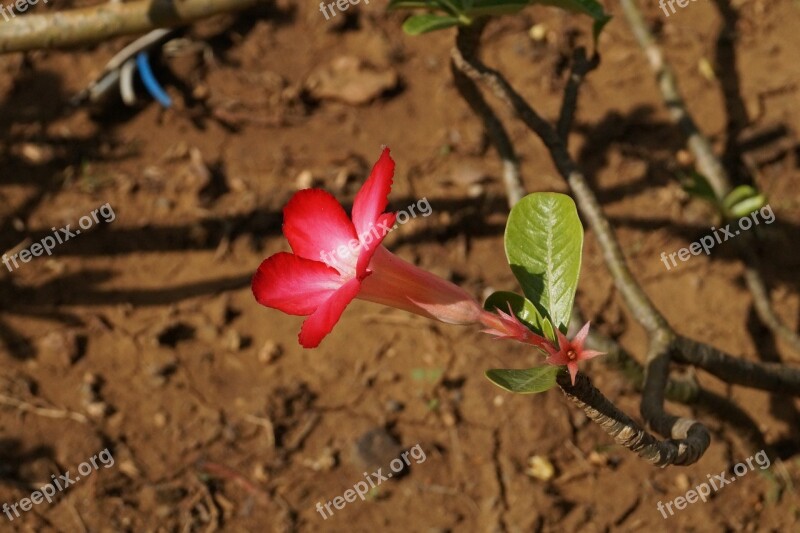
141 335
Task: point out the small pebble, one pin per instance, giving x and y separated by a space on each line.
269 352
540 468
304 180
160 420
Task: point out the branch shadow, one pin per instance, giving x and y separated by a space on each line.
780 406
14 462
82 288
37 99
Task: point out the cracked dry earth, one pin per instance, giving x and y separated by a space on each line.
141 335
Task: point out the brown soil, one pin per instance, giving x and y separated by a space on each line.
146 328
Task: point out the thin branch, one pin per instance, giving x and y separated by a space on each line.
693 437
709 165
581 66
47 412
688 443
773 377
655 385
763 375
685 389
699 144
495 130
464 58
636 299
496 133
94 24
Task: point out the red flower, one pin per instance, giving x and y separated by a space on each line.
570 352
336 260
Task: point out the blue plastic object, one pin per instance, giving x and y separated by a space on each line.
150 81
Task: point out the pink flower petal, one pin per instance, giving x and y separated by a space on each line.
372 199
573 370
563 341
294 285
316 226
589 354
580 337
322 321
400 284
372 241
558 359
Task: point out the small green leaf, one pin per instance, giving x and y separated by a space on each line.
543 242
695 184
588 7
549 331
426 374
525 381
418 24
745 207
411 4
525 311
742 201
495 7
597 27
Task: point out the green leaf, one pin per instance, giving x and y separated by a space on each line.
740 193
418 24
588 7
495 7
525 311
525 381
426 374
742 201
745 207
695 184
549 331
411 4
463 11
543 242
598 26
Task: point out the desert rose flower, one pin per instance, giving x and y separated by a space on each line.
336 259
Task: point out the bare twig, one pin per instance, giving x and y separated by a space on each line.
691 447
267 424
699 144
688 443
636 299
664 342
684 390
47 412
773 377
709 165
495 130
94 24
581 66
